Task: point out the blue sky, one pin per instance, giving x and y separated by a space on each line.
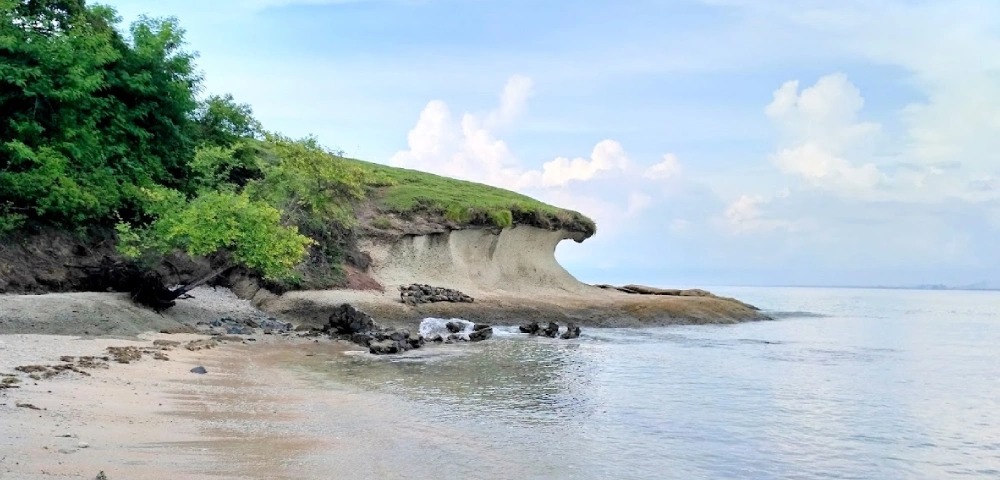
714 141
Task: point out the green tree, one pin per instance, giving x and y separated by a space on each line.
248 233
89 112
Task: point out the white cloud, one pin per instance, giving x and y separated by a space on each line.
469 149
668 168
607 155
637 202
819 128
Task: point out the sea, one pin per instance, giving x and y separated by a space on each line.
843 384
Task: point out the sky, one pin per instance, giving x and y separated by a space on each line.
714 142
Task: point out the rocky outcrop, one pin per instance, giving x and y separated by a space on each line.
644 290
416 294
353 325
346 320
551 330
572 331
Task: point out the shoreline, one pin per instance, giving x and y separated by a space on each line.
155 419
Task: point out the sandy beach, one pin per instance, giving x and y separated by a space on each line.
154 419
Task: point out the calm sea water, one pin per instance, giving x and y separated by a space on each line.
862 384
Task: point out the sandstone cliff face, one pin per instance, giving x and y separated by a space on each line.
513 260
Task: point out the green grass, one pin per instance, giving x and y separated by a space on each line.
407 192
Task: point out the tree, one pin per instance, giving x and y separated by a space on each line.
92 113
249 233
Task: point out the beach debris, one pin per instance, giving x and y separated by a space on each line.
125 354
196 345
416 294
572 331
199 370
101 476
83 445
28 406
38 372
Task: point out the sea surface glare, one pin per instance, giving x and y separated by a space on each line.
845 384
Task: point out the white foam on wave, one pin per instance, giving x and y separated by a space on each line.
431 326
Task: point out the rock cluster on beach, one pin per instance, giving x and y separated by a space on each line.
551 330
416 294
351 324
250 325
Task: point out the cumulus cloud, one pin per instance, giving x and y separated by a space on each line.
468 148
819 127
608 155
668 168
746 214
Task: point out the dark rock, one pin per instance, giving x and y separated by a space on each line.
644 290
363 339
531 328
416 294
481 334
455 327
347 319
572 331
551 331
480 326
383 347
233 330
199 370
436 339
415 340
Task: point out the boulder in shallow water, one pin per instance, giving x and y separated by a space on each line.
481 334
551 331
455 327
572 331
531 328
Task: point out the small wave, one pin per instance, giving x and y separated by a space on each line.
431 326
782 315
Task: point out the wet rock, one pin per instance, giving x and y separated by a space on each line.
572 331
415 340
347 320
383 347
455 327
481 334
199 370
644 290
531 328
551 331
436 339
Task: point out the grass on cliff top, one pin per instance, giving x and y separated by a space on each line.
408 192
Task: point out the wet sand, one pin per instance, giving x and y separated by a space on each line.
155 419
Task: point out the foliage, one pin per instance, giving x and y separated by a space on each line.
223 122
410 192
250 232
88 111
